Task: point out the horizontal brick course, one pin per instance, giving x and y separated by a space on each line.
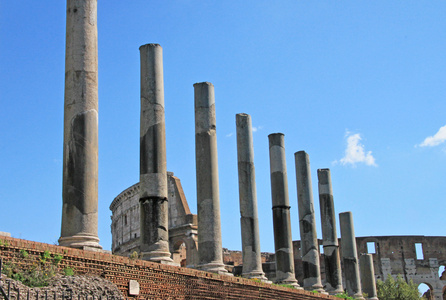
156 281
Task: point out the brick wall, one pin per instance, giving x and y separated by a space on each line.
156 281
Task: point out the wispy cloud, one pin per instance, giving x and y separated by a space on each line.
255 129
436 139
355 153
230 134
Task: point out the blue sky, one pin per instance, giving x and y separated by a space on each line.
358 85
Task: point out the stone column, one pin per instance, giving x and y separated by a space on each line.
154 207
80 152
307 224
210 255
368 276
333 272
350 256
252 263
281 211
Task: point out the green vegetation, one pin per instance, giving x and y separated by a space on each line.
36 276
134 255
68 272
57 259
24 253
397 289
344 296
4 243
44 267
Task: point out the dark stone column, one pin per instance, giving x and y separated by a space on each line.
252 261
367 271
333 272
80 152
281 211
307 224
350 256
153 174
210 255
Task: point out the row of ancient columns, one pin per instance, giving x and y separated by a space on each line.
80 175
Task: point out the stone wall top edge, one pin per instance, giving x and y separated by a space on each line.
16 243
132 189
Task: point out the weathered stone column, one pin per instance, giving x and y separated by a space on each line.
332 260
307 224
368 276
80 152
350 255
152 165
281 211
252 261
210 256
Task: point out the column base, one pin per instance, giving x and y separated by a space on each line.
81 241
256 275
218 268
160 257
317 288
333 291
287 278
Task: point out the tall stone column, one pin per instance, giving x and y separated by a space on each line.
154 207
350 256
252 263
332 260
210 255
367 271
307 224
281 211
80 152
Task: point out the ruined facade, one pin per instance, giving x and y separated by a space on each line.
125 225
417 258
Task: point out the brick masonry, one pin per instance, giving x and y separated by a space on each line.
156 281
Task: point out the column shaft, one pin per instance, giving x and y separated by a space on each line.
252 263
350 256
367 272
281 211
153 173
307 224
210 255
332 260
80 152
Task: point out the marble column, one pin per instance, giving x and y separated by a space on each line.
350 256
307 224
252 262
210 255
152 165
333 273
367 272
80 152
281 211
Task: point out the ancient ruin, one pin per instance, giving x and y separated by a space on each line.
80 150
281 211
151 219
208 197
152 167
332 260
350 256
307 224
367 272
125 226
249 221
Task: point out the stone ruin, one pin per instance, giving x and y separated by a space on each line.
157 235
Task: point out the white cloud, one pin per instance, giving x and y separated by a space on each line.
355 153
255 129
435 140
230 134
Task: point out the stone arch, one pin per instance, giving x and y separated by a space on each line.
428 292
184 249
